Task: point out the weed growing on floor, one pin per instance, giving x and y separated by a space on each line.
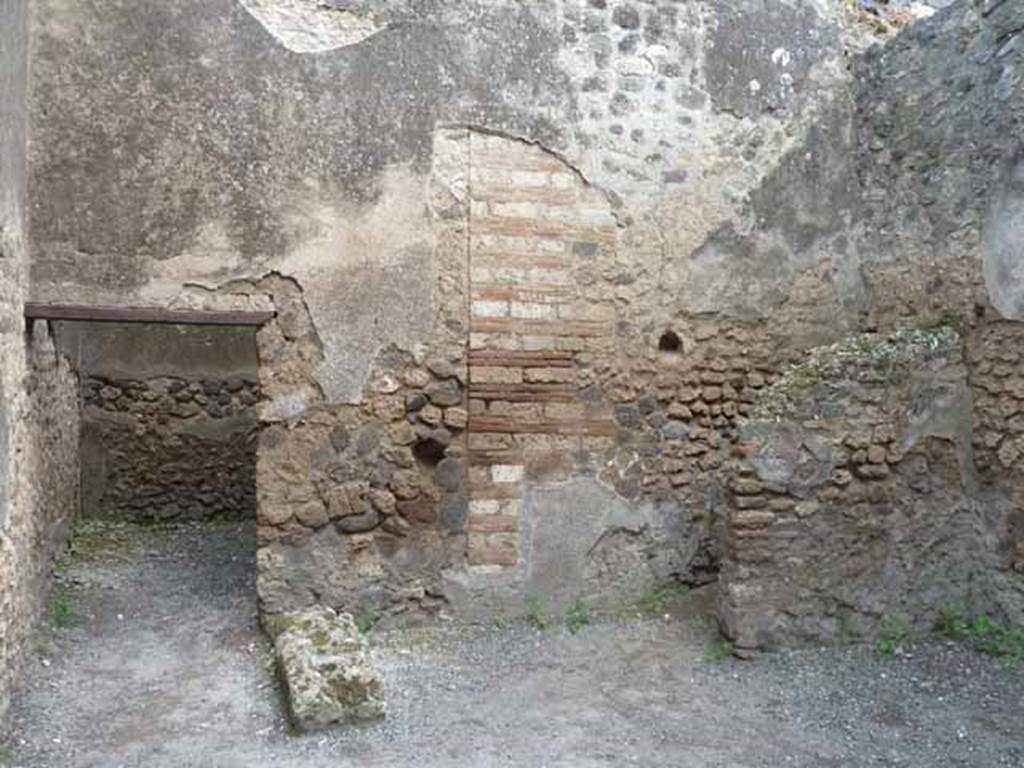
500 621
7 756
951 622
536 611
721 650
366 619
655 600
985 634
578 616
1006 644
895 630
63 612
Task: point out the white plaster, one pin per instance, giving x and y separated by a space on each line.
507 473
310 26
368 275
484 507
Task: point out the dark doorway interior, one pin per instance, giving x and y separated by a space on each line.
168 419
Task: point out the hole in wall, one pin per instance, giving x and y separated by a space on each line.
429 451
670 343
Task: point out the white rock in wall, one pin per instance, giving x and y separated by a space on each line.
324 665
310 26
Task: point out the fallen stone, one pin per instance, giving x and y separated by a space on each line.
325 670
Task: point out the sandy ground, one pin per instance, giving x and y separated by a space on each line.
154 659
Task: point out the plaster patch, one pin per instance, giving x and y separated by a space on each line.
310 26
368 276
210 259
1002 251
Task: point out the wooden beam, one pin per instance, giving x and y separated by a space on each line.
156 315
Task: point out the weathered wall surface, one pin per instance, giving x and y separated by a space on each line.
38 417
531 263
168 419
916 220
305 165
856 502
38 409
461 261
13 286
41 489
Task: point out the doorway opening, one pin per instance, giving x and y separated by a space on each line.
159 581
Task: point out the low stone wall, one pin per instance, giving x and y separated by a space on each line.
854 500
168 448
997 384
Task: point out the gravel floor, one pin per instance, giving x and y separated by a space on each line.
155 659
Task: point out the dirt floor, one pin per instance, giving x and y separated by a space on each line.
154 659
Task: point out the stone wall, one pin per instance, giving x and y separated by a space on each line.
533 264
38 409
997 378
169 448
38 418
42 490
855 502
13 286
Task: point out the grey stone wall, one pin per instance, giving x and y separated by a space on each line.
169 448
857 503
905 201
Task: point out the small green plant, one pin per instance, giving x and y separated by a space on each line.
801 378
865 344
578 616
895 628
885 647
7 756
950 318
951 621
721 650
500 621
63 612
536 611
982 632
894 631
655 601
982 628
1007 644
366 618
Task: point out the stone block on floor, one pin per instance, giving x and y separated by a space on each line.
324 664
